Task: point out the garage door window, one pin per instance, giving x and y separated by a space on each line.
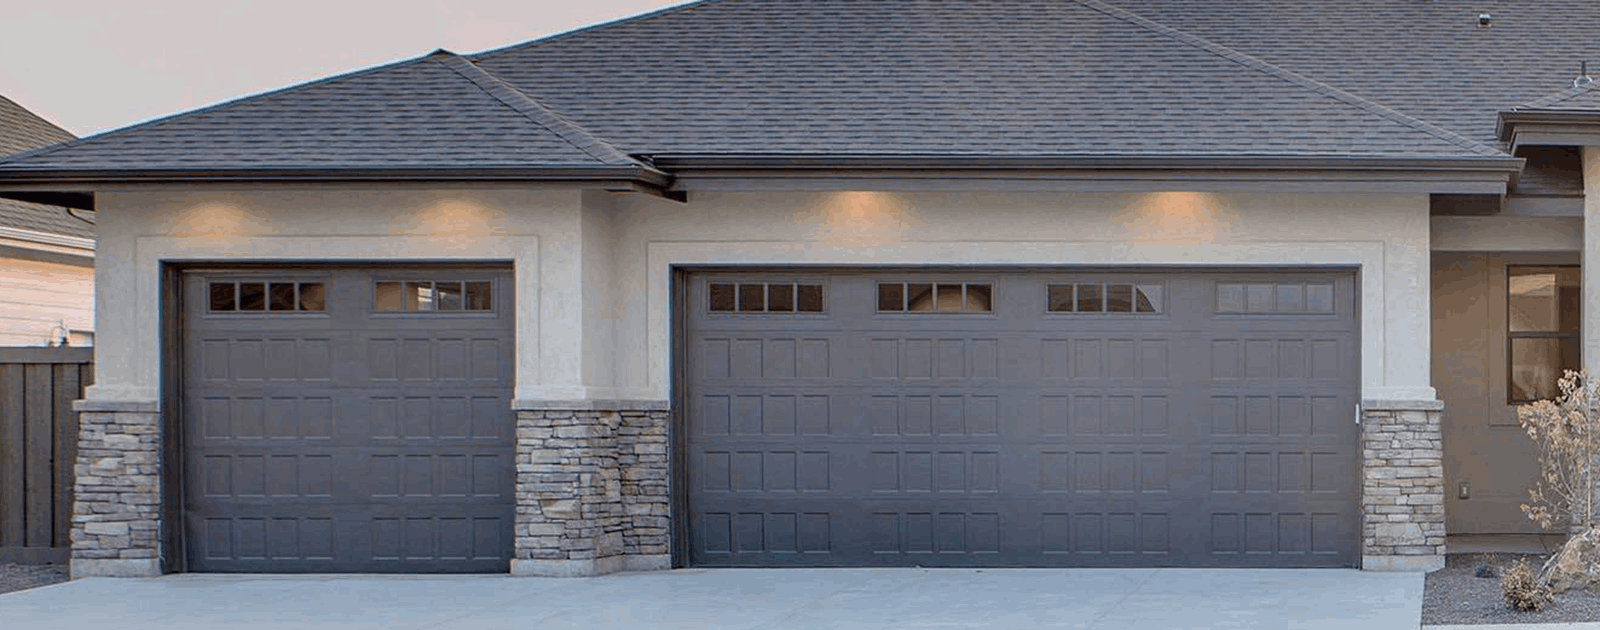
1103 297
935 297
765 297
432 296
277 297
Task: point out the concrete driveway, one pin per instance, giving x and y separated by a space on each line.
765 599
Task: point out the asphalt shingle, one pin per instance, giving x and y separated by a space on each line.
972 77
1430 60
22 130
419 113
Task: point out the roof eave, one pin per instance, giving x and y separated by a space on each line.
1517 128
75 187
1446 174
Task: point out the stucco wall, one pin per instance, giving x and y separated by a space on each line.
594 268
535 230
1385 235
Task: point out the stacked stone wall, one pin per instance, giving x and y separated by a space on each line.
591 492
116 512
1403 525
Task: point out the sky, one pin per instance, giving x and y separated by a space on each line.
96 65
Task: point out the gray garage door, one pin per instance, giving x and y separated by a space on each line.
339 420
1022 419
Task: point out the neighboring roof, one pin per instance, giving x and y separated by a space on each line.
21 130
422 113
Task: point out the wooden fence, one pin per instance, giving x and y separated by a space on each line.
38 449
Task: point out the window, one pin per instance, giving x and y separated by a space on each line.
765 297
264 296
433 296
1281 297
1543 326
931 297
1103 297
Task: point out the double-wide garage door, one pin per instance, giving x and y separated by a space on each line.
347 419
1022 419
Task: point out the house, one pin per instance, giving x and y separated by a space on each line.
46 253
826 283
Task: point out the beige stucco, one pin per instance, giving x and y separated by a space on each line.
1484 446
593 269
1385 235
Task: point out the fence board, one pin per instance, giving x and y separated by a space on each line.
68 388
38 450
39 487
12 477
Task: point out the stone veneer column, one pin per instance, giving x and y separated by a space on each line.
592 489
1402 490
116 512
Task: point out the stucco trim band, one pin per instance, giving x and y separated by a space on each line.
591 405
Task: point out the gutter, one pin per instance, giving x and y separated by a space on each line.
1502 163
74 188
46 242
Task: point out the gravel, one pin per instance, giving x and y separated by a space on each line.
16 577
1455 595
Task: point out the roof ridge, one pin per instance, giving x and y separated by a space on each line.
16 157
1558 98
535 111
1266 67
584 29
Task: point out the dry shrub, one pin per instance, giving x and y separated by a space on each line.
1521 588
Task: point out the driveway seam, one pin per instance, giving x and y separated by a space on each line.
1096 623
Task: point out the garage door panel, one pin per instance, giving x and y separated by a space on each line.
1087 437
388 434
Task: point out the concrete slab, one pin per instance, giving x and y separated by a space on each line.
738 599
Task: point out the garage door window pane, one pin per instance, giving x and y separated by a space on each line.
313 297
386 297
1260 298
252 296
919 298
892 297
1059 298
752 297
1149 299
281 296
949 298
1119 298
448 295
980 298
222 295
1230 298
722 298
479 296
780 298
810 298
1091 298
419 296
1319 298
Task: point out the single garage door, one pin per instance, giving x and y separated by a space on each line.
896 418
347 420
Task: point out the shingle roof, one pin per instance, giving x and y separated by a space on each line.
22 130
1579 98
431 112
1005 78
979 77
1430 60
